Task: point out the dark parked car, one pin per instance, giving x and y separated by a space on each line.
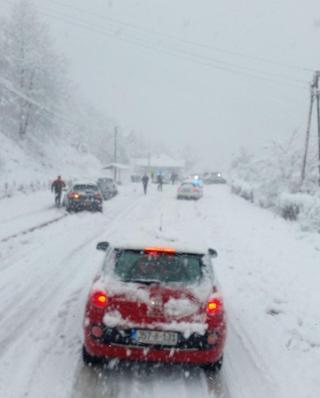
155 304
214 178
83 196
107 187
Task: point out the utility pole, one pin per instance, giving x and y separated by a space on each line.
115 153
317 74
314 93
306 146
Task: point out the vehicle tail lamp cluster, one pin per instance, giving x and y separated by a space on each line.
212 338
74 195
97 331
99 299
98 196
215 306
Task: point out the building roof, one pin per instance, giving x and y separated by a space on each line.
159 161
118 166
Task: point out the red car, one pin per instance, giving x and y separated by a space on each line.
155 305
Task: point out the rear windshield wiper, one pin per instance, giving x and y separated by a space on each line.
144 281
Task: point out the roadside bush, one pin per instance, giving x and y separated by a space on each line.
242 189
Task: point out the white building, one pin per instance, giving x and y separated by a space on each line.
158 164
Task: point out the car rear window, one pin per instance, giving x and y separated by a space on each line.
85 187
137 266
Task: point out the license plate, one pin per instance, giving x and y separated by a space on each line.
155 337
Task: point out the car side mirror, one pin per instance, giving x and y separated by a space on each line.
213 253
102 246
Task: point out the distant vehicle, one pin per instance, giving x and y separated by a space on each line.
107 187
190 190
155 305
83 196
214 178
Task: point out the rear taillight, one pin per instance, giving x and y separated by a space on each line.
99 299
73 195
215 306
98 196
97 331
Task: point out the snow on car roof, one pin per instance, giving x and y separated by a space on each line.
159 243
84 183
177 249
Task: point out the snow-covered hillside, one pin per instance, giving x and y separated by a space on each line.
32 163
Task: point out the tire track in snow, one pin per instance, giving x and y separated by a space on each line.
33 228
140 380
15 320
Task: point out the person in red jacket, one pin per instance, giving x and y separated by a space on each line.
57 187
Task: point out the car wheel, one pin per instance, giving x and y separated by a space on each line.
214 367
88 359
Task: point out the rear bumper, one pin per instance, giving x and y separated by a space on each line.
194 356
188 196
81 205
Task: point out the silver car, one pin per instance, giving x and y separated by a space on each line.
189 190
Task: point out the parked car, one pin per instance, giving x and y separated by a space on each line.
214 178
190 190
155 304
107 187
83 196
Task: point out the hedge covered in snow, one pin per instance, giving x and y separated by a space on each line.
273 180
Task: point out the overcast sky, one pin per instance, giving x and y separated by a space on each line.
213 74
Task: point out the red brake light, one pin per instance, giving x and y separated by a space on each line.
159 250
99 299
215 306
98 195
74 195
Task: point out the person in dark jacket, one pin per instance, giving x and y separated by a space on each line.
57 187
145 181
159 181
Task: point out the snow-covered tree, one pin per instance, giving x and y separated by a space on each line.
32 76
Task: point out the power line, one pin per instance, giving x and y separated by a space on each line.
190 42
197 58
200 59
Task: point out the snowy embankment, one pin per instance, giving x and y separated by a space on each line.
299 206
29 165
268 270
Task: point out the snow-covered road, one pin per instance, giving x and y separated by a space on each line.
268 269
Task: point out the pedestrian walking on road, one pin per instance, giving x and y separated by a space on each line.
145 181
57 187
160 182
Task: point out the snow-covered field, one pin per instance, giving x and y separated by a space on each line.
268 269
